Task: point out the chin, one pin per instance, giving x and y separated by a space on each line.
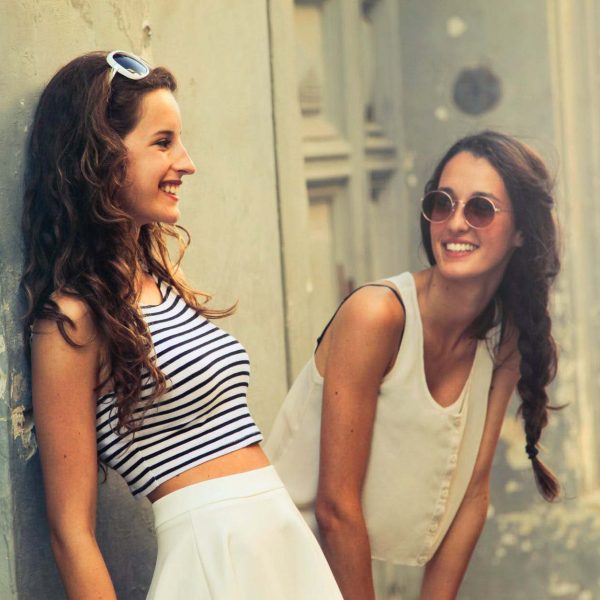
170 218
457 271
462 271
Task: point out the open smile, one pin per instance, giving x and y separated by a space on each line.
459 249
459 246
170 188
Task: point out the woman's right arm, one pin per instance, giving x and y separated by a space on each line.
63 382
359 348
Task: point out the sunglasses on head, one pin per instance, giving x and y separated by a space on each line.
127 64
479 211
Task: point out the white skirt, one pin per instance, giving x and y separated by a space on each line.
238 537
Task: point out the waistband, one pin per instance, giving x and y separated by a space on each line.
197 495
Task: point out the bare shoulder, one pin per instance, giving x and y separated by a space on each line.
80 325
373 307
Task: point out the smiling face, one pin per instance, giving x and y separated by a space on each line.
460 250
156 161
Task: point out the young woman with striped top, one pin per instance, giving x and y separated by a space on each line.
128 368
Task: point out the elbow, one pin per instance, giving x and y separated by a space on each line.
477 498
327 515
335 515
479 495
478 489
68 541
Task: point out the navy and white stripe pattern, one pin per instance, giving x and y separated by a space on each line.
203 413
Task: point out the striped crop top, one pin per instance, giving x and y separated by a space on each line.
202 415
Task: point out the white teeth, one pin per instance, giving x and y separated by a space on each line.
169 188
453 247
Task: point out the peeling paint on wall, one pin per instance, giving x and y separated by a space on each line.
22 429
408 161
455 27
147 33
123 22
441 113
84 10
412 180
562 589
3 376
513 486
17 386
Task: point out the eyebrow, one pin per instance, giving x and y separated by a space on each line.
475 193
164 132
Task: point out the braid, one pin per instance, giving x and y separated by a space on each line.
526 301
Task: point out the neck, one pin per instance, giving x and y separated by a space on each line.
449 307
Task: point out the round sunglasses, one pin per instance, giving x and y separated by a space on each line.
127 64
479 211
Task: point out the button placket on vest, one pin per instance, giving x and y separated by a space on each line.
444 493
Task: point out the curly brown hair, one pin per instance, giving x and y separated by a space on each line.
79 239
523 294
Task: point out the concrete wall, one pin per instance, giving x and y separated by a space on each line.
529 549
247 211
225 55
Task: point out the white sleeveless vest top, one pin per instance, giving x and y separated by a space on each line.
422 454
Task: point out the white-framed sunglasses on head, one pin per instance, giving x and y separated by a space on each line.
127 64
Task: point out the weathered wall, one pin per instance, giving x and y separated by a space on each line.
529 549
222 61
221 54
247 212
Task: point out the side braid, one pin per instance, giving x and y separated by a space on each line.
538 361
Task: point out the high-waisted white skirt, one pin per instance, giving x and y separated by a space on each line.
238 537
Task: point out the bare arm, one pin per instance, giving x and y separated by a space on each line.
63 381
445 571
358 350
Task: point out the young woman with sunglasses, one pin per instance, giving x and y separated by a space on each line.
127 368
386 439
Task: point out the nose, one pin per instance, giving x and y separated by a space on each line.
457 221
184 164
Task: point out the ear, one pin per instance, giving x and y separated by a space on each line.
518 241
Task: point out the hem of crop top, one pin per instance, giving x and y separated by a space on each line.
253 438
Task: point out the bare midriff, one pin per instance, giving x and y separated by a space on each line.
239 461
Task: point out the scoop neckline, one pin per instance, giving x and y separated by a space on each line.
159 284
457 405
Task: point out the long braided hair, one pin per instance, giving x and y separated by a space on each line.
79 239
523 294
